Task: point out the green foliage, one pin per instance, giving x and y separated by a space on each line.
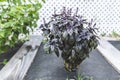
114 34
17 18
68 37
4 62
43 1
103 34
2 0
79 77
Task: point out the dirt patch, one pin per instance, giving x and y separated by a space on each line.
8 55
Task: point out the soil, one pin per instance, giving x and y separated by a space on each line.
115 44
8 55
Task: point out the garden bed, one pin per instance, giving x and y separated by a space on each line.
49 67
8 55
116 44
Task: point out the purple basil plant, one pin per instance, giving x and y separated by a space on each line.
70 36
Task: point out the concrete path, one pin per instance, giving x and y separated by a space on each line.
49 67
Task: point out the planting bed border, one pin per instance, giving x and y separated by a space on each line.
19 64
109 52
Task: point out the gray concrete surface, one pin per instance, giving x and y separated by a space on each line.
49 67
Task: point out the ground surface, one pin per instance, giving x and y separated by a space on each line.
49 67
9 54
115 44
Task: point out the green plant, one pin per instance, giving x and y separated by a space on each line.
103 34
70 36
4 62
114 34
17 17
79 77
